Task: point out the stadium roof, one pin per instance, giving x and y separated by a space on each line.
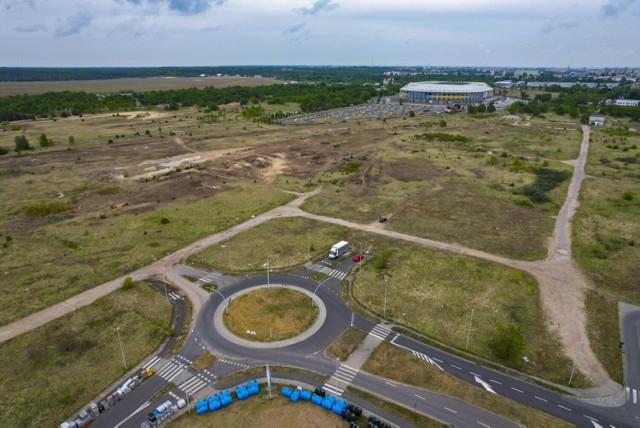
448 87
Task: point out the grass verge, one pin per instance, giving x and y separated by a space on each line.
69 361
203 361
393 363
270 314
346 343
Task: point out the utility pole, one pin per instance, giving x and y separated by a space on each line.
228 247
469 330
574 363
121 349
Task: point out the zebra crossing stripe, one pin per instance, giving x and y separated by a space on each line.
348 369
380 332
203 279
151 362
427 359
173 373
333 389
174 296
635 396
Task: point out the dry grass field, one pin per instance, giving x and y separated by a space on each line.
606 231
130 84
270 313
69 361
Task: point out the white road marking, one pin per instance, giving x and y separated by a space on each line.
438 360
589 417
484 425
420 397
456 367
450 410
484 384
518 390
541 399
151 362
131 415
495 381
562 407
596 425
389 383
635 396
475 374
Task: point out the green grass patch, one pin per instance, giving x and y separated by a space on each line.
434 292
46 207
283 240
68 361
546 180
393 363
43 270
270 314
442 136
203 361
344 345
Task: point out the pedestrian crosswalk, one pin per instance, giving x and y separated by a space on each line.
173 296
345 374
380 331
323 268
152 362
333 390
172 369
194 384
632 395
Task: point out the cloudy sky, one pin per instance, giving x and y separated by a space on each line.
556 33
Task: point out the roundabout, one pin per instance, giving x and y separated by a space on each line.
227 313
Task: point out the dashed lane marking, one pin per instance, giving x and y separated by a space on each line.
541 399
484 425
562 407
517 390
495 381
450 410
456 367
420 397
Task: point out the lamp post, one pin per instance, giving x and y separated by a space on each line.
228 247
124 361
268 280
469 330
574 363
384 309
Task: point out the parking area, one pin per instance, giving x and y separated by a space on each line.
388 108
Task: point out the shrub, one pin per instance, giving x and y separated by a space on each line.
3 151
508 342
546 179
46 208
128 283
627 195
164 220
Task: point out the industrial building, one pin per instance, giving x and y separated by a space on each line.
445 92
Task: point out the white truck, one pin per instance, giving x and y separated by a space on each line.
338 249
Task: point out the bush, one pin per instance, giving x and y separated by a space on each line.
164 220
546 179
3 151
22 143
442 136
627 195
46 208
508 342
128 283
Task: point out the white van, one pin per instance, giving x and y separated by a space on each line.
338 249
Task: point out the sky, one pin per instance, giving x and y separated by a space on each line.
516 33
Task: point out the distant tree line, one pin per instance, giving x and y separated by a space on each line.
579 102
311 98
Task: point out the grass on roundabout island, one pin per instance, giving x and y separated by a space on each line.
270 314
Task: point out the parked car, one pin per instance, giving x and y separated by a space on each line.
357 257
383 218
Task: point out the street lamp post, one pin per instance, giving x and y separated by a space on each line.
186 393
469 330
124 361
574 363
268 280
384 309
228 247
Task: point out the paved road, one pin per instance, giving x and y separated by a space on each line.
630 338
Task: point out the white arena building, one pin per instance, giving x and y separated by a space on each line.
445 92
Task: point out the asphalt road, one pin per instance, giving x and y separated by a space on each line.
308 355
630 338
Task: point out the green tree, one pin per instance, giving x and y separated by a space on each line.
491 108
482 108
72 140
22 143
412 113
3 151
508 342
381 262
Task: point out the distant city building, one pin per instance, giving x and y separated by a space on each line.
445 92
626 103
596 120
506 84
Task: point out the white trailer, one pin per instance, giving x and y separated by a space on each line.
338 249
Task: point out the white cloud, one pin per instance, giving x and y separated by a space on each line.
317 7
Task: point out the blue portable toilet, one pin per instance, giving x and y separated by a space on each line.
316 399
305 395
286 391
295 395
225 399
